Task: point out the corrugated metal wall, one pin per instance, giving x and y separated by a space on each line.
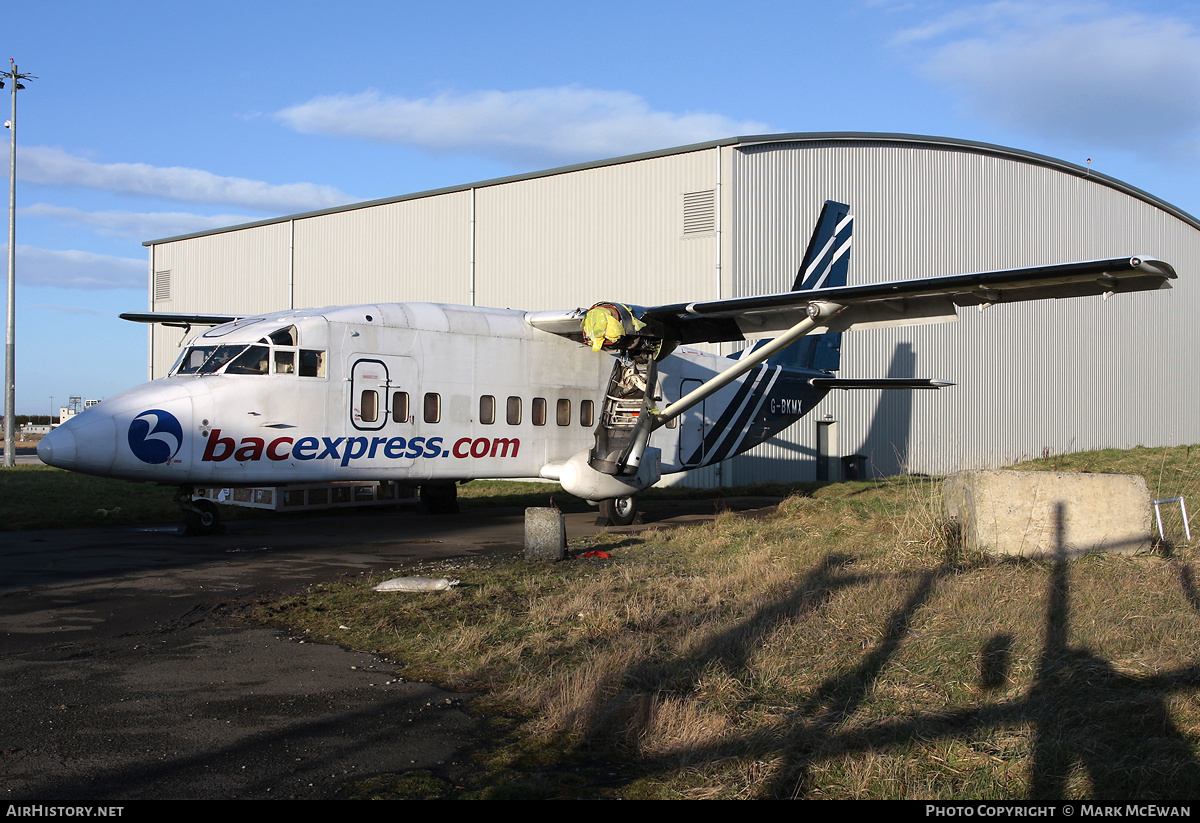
1057 376
410 251
606 233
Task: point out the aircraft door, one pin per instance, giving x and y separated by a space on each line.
368 392
693 427
380 388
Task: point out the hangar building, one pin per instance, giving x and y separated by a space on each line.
732 217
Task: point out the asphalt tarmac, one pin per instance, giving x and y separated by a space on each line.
127 673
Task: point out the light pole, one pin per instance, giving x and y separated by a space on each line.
14 77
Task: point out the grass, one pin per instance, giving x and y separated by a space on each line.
42 497
842 648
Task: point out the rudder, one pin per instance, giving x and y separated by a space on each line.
825 265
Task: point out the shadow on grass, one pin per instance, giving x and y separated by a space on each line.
1086 716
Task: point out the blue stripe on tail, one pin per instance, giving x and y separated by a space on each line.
828 256
825 265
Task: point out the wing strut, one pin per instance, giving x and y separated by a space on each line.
818 314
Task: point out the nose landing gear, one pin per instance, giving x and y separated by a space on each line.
199 516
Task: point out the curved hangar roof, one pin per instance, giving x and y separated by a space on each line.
796 139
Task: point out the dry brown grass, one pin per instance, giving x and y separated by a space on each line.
843 648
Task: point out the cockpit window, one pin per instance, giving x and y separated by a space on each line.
192 359
230 328
284 337
254 358
221 356
312 363
285 361
252 361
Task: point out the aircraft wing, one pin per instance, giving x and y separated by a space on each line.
182 321
895 303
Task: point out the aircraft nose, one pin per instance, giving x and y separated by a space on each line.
58 448
86 443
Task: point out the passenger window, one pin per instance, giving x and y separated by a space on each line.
587 413
513 415
673 422
539 411
562 412
369 408
399 407
487 410
433 407
312 363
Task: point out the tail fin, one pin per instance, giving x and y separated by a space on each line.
825 265
828 256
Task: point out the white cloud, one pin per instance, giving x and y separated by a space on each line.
138 225
61 309
531 126
1077 71
53 166
78 269
997 17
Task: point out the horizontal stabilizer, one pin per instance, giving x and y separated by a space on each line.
877 383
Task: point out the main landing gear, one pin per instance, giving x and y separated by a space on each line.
199 516
620 511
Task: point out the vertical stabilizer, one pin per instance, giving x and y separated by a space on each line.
828 256
825 265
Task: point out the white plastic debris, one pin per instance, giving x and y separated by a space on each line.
416 584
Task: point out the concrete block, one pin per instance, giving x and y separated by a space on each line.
545 534
1035 514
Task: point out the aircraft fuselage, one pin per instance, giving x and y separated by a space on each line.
409 392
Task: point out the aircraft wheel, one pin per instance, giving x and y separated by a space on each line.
203 520
620 511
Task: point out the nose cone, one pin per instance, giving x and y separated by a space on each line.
58 448
85 443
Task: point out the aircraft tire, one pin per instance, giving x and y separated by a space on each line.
620 511
205 521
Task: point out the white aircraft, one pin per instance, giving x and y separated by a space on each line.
604 401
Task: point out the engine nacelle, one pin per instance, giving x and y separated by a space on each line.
578 478
618 327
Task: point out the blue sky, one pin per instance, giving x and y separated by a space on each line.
154 119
